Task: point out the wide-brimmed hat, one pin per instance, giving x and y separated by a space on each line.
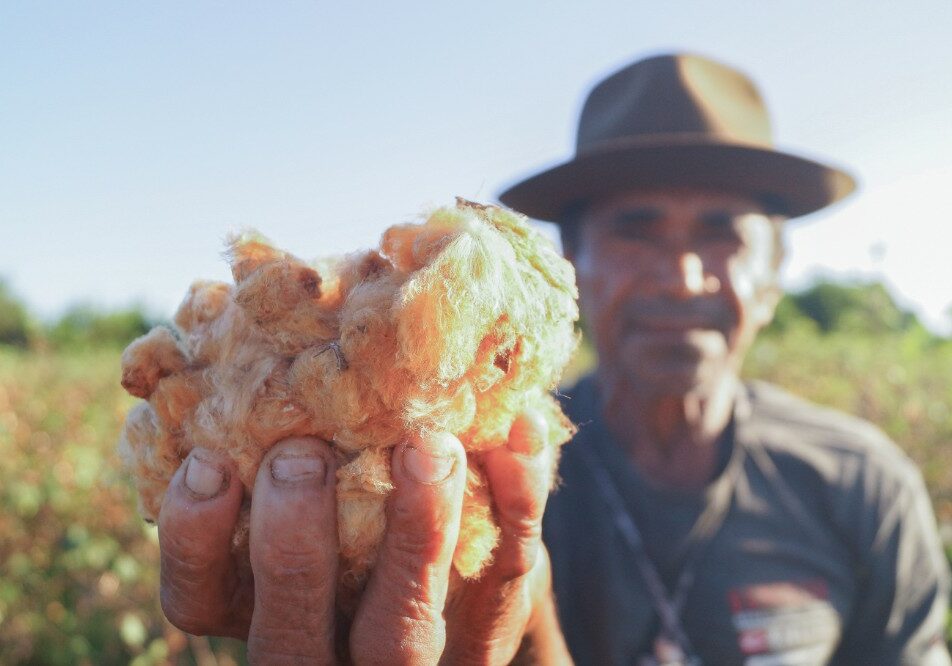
678 120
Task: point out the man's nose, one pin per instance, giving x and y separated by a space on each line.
682 275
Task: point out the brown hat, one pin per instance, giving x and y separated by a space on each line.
676 120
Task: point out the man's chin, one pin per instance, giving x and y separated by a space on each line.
670 372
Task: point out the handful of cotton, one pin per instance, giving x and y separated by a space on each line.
456 324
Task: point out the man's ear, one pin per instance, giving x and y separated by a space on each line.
568 252
766 305
568 244
771 293
570 230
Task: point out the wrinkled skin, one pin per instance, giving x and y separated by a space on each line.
408 614
674 285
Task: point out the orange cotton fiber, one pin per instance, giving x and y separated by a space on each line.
457 324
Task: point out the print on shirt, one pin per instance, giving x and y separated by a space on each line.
784 623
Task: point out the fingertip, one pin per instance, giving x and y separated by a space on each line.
195 527
402 607
297 459
518 481
204 485
294 553
293 506
430 459
429 474
294 481
208 473
529 433
438 443
423 512
200 508
519 476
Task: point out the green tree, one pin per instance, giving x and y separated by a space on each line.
866 308
85 327
15 326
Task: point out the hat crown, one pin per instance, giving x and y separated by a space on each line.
674 95
678 120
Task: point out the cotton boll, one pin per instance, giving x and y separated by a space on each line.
458 324
152 455
176 397
274 413
362 488
150 358
204 303
249 251
282 296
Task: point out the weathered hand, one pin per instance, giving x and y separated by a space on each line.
286 611
511 606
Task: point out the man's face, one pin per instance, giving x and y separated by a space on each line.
674 285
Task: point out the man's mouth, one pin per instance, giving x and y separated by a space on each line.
673 326
673 340
675 319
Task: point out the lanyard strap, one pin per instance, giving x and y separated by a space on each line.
707 525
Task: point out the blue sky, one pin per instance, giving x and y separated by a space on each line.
134 136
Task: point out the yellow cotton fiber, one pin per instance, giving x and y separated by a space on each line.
456 324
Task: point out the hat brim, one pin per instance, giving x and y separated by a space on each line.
794 185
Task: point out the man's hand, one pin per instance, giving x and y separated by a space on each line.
287 610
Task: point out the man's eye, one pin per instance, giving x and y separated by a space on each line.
718 226
636 232
635 225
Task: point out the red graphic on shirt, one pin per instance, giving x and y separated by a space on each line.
781 615
753 641
778 594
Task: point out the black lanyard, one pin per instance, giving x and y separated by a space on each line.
707 525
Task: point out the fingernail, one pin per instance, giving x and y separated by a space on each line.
204 478
297 467
425 467
529 434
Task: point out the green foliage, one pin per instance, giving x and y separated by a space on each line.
861 307
82 327
85 327
899 381
852 347
15 326
78 566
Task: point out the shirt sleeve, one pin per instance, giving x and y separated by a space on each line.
899 616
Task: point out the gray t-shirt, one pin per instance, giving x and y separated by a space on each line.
828 551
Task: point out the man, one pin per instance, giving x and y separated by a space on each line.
702 520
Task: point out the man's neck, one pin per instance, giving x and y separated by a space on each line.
672 439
